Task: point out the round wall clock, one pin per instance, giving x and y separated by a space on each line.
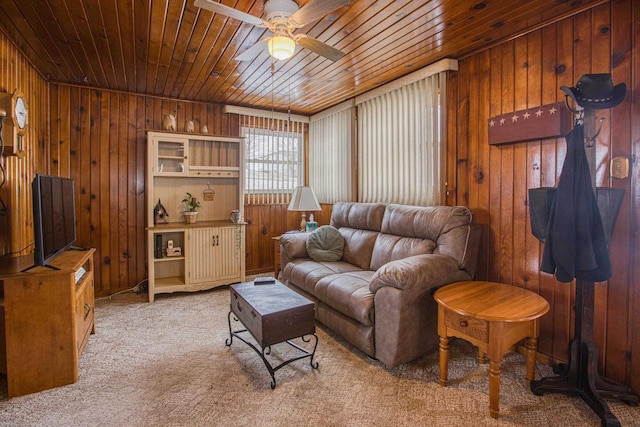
14 128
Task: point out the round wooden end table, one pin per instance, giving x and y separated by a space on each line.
493 317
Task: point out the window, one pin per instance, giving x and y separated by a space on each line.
273 158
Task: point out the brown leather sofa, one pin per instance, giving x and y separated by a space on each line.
379 296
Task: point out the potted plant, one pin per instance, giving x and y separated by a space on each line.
191 208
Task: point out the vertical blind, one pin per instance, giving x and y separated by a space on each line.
399 145
330 159
273 158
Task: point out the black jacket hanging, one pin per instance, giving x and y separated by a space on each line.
575 244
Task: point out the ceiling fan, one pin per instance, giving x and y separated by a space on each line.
282 18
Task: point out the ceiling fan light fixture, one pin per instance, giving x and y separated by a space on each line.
281 47
283 18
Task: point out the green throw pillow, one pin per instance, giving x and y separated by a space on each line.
325 244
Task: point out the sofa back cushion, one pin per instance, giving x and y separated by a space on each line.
443 230
359 224
389 247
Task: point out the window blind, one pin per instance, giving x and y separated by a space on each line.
273 163
399 144
330 154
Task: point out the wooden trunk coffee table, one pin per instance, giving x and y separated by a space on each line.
493 317
272 313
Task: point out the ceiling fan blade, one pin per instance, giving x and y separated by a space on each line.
319 47
228 11
253 51
315 10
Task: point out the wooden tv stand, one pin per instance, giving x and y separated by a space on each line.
46 317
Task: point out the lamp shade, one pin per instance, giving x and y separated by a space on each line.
281 47
304 199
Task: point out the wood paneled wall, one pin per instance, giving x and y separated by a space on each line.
493 180
16 226
99 139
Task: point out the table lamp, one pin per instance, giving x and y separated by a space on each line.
304 199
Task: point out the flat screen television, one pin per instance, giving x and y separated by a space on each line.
54 216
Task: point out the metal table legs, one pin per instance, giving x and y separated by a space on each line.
267 350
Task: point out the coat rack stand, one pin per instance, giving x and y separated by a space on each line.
580 376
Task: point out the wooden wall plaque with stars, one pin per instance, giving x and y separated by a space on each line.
543 122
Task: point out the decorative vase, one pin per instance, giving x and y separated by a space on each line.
190 217
236 216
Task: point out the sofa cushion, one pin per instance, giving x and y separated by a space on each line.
349 294
449 227
325 244
359 224
358 246
305 273
363 216
389 247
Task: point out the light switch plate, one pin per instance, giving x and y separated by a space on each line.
619 167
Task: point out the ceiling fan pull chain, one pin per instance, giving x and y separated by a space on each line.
273 107
289 110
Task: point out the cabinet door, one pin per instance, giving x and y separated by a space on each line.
85 306
171 156
228 252
201 255
214 254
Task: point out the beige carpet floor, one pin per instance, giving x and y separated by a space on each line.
166 364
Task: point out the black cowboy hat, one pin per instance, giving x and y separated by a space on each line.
596 91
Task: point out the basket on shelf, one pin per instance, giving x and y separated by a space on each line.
192 205
190 217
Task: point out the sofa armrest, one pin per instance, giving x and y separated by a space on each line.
292 246
420 271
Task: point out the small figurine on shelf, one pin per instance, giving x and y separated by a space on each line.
192 205
169 122
160 214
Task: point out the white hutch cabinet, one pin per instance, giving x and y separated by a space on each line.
212 250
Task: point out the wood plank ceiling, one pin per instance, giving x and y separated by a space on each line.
170 48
